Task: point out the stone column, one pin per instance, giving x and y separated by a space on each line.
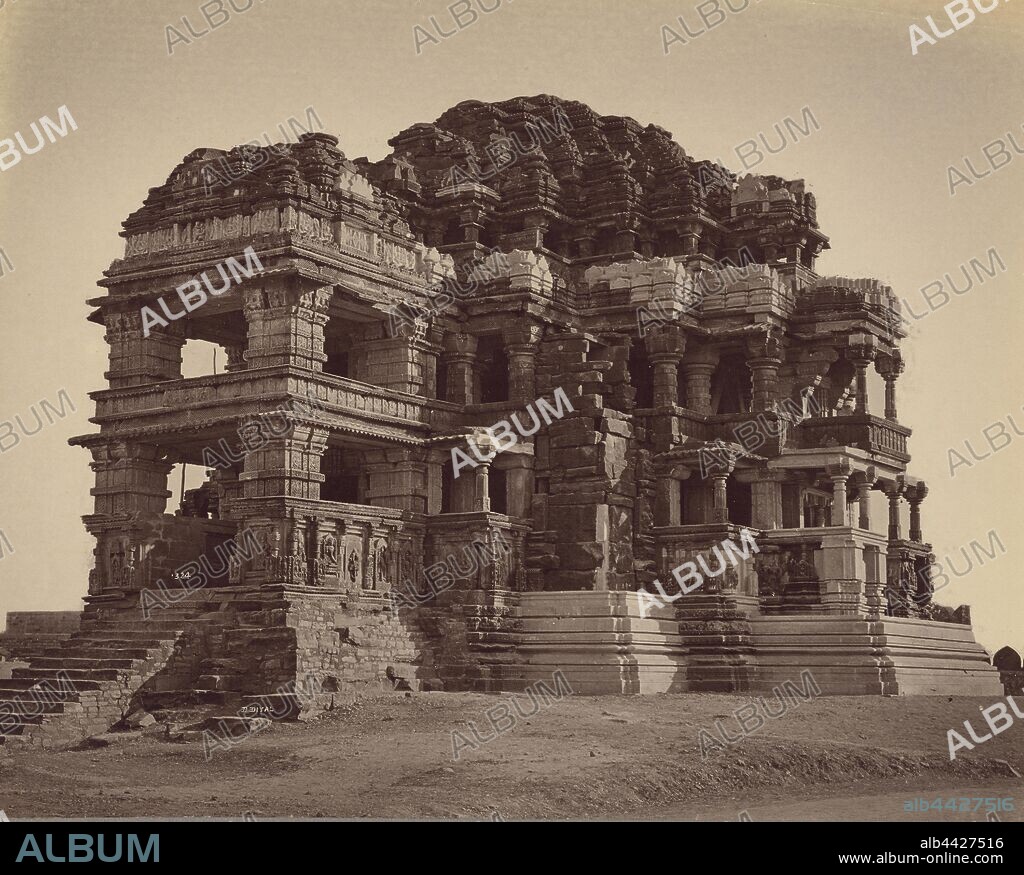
436 460
838 499
864 507
482 494
667 508
666 381
519 474
697 376
460 357
766 500
720 507
521 346
236 358
764 359
665 348
915 495
862 386
808 370
131 478
861 353
396 479
136 359
463 498
286 325
405 363
818 515
893 492
890 366
285 466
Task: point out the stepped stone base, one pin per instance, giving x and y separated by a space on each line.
600 642
283 651
893 656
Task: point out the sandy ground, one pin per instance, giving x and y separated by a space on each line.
844 758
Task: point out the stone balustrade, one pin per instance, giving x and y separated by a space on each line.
864 431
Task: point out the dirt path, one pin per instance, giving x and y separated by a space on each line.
580 757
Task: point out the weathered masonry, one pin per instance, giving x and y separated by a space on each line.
718 384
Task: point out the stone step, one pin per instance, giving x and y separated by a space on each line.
14 706
174 625
84 651
68 661
139 639
221 682
74 674
259 632
221 666
9 686
15 723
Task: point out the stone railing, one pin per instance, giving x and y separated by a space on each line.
479 551
702 545
789 569
237 394
866 432
329 545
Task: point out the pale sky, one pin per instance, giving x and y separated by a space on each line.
891 124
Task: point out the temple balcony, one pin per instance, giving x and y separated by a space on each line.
174 411
872 434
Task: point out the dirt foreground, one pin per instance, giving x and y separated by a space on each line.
837 758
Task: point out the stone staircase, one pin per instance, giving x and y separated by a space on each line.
87 683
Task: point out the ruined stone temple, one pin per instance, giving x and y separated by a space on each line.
390 311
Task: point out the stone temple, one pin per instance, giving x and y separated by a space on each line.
372 317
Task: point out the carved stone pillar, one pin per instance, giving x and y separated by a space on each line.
665 348
697 373
764 359
890 366
864 508
435 462
236 358
286 325
287 465
519 471
818 515
482 494
807 370
838 499
915 495
861 353
720 506
459 357
521 347
893 492
135 358
666 381
766 500
402 363
667 505
130 478
397 479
